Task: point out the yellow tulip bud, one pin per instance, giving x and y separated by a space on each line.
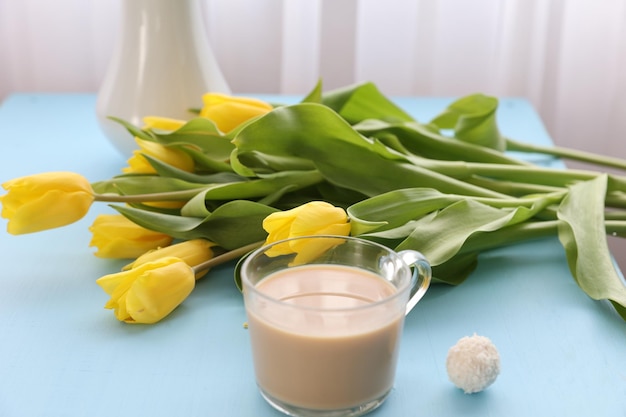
314 218
149 292
228 112
162 123
45 201
192 252
138 164
117 237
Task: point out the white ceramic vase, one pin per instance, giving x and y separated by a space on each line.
161 66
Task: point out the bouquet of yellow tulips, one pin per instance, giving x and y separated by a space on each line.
244 172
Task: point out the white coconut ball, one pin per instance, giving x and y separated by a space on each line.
473 363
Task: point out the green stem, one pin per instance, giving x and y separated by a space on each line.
181 195
519 173
616 228
512 145
512 188
555 197
515 179
227 256
534 175
528 231
615 215
615 200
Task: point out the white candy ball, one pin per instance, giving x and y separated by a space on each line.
473 363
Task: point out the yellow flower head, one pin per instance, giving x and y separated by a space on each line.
117 237
138 164
149 292
314 218
162 123
228 112
192 252
45 201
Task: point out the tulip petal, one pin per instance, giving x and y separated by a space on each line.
109 283
137 164
228 112
316 218
313 218
119 308
309 250
117 237
193 252
45 201
149 292
52 209
162 123
171 156
157 292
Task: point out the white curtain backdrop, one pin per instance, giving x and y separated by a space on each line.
568 57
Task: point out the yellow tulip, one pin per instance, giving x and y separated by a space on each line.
149 292
228 112
45 201
162 123
138 164
314 218
117 237
192 252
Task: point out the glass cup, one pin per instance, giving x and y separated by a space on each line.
325 316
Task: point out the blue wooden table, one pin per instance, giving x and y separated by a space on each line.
63 355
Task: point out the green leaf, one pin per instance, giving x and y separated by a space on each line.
453 271
275 196
207 164
338 196
134 184
239 167
157 208
232 225
166 170
237 223
421 140
450 230
395 208
363 101
344 157
202 134
442 235
315 96
586 246
261 187
263 163
177 226
474 120
134 130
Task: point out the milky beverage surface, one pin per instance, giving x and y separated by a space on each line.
331 360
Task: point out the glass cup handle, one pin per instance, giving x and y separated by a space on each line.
422 275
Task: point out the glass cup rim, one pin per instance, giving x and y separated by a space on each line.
248 286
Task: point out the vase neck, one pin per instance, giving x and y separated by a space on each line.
155 18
